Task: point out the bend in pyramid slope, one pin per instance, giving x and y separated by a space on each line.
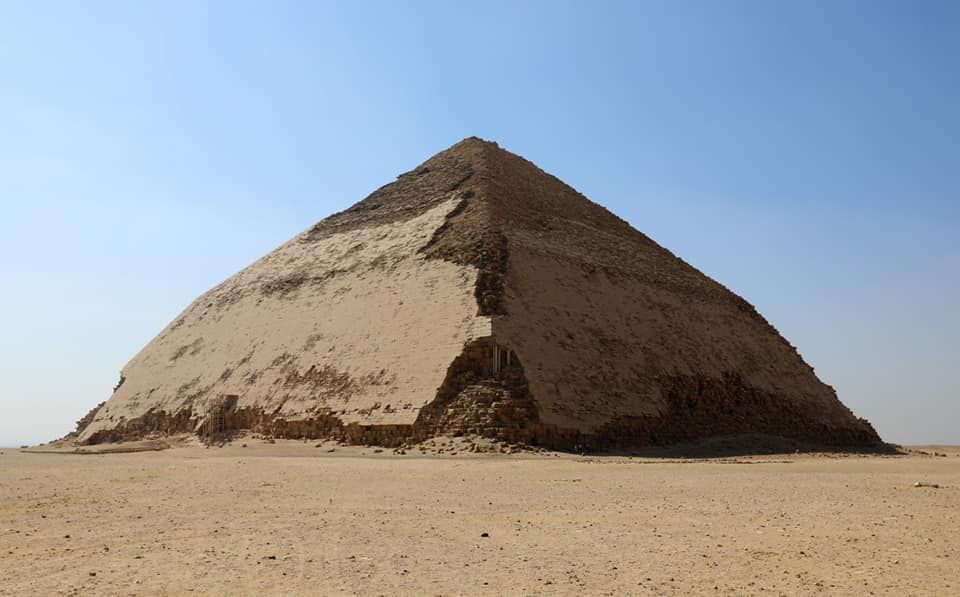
475 294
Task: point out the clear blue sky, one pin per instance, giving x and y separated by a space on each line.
805 154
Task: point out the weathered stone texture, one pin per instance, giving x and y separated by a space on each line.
476 294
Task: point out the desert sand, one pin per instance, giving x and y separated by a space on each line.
293 518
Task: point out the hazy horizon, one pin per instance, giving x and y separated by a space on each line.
806 156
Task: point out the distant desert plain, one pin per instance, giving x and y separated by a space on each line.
451 517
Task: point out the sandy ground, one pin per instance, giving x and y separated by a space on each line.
291 518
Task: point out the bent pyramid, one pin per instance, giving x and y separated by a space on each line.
479 295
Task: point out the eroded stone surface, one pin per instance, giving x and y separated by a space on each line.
393 321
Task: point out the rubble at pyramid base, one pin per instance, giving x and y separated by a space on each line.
637 433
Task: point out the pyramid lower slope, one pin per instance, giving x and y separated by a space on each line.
475 294
357 327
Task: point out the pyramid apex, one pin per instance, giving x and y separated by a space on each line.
476 139
475 142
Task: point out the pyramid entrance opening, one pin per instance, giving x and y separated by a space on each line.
501 359
214 425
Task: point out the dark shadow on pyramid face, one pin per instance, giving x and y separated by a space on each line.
708 417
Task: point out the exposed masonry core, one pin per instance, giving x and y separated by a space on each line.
460 242
85 421
484 393
464 239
